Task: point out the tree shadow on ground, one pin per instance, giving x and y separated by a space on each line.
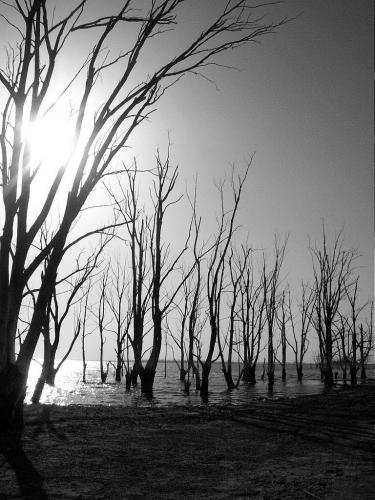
29 480
45 424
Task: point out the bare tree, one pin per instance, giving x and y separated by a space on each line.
119 306
182 308
271 282
66 293
236 270
138 232
82 315
352 322
102 323
366 343
215 271
29 85
333 268
252 317
300 342
162 265
282 319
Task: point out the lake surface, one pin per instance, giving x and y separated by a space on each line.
70 389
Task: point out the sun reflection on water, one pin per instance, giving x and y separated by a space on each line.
69 388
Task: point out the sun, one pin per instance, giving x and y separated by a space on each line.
51 140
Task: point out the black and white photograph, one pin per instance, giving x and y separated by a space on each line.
187 249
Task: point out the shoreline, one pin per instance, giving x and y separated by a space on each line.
311 446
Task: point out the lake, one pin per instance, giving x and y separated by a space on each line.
69 388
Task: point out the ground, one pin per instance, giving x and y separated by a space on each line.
320 447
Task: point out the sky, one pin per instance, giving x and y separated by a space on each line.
302 101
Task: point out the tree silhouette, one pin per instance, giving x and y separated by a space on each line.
30 81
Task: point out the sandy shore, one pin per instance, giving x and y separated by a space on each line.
311 447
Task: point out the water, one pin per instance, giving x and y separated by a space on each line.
69 388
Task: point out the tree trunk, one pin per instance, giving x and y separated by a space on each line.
249 375
353 364
353 374
362 356
128 380
229 379
299 373
264 369
147 376
118 372
283 350
119 362
271 361
104 373
197 376
38 388
12 395
328 374
283 372
204 382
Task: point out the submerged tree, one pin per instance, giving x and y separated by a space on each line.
30 87
251 316
120 307
216 267
333 274
66 293
271 283
300 342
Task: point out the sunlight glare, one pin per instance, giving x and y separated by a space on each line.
51 140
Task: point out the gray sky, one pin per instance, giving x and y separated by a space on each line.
302 101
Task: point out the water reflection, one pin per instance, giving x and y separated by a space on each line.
70 389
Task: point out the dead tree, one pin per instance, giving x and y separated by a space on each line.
119 306
271 281
127 204
180 340
195 288
30 82
366 343
83 320
342 341
352 322
215 270
251 316
163 267
333 268
67 292
236 269
102 324
282 319
300 342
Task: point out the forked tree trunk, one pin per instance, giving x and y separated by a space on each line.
147 374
